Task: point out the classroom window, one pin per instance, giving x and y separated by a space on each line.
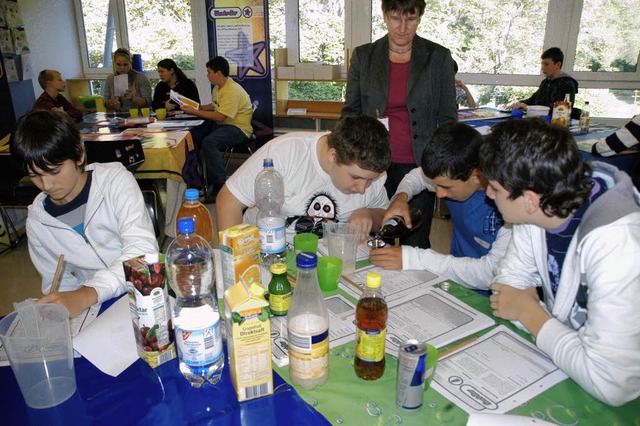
156 30
325 46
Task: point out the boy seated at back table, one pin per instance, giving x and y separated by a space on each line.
336 176
449 167
576 234
52 98
94 215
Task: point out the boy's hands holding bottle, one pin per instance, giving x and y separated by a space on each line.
399 207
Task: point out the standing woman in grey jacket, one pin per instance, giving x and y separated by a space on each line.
410 81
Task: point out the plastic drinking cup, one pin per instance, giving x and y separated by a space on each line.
146 112
161 113
100 105
133 113
38 345
329 271
341 240
305 242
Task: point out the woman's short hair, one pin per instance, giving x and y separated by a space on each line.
44 139
405 7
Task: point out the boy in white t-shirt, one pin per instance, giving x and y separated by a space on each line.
336 176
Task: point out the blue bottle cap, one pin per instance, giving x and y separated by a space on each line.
186 225
191 194
267 162
306 260
516 113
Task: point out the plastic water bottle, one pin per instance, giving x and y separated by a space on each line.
308 327
192 207
584 119
196 320
269 195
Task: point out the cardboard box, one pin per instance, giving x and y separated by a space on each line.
304 71
286 72
248 340
326 72
239 255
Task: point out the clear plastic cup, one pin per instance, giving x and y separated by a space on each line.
37 340
341 240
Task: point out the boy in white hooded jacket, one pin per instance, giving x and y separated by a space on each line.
94 215
576 234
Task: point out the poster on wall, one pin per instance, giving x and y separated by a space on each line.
238 31
7 115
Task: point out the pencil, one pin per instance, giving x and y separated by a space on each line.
56 276
458 346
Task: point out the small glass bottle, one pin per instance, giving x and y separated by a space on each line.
371 330
308 327
279 290
585 119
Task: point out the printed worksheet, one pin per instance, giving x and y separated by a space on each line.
396 285
495 373
430 315
341 328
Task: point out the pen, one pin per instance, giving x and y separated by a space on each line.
56 276
458 346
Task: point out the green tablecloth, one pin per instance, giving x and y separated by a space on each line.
347 399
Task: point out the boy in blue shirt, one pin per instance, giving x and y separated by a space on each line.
449 167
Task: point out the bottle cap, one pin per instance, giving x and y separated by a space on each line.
186 225
306 260
191 194
278 268
267 162
374 280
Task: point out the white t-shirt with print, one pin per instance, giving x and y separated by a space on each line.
309 190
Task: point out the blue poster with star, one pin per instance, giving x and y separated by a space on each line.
238 31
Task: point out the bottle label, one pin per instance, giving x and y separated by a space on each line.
272 239
280 302
201 347
308 354
391 222
370 345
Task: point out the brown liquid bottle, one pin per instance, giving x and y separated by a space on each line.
371 330
397 228
193 208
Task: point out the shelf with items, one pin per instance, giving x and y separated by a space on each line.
313 73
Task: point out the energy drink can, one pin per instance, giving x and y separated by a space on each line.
412 368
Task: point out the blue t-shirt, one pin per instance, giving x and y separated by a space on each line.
476 223
73 212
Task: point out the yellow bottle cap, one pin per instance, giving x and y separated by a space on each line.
374 280
278 268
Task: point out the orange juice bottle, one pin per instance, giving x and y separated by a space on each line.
192 207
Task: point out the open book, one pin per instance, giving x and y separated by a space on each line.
183 100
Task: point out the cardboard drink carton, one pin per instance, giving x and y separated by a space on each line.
248 340
150 310
240 255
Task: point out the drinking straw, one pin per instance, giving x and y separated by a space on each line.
56 276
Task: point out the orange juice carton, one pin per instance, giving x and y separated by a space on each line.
240 255
561 114
248 332
150 310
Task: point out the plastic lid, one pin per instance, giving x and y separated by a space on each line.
278 268
191 194
374 280
267 162
186 225
306 260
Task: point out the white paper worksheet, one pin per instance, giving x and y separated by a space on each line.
495 373
120 84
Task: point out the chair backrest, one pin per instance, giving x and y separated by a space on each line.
129 152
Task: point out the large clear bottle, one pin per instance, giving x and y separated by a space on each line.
193 208
196 319
371 330
269 195
308 327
